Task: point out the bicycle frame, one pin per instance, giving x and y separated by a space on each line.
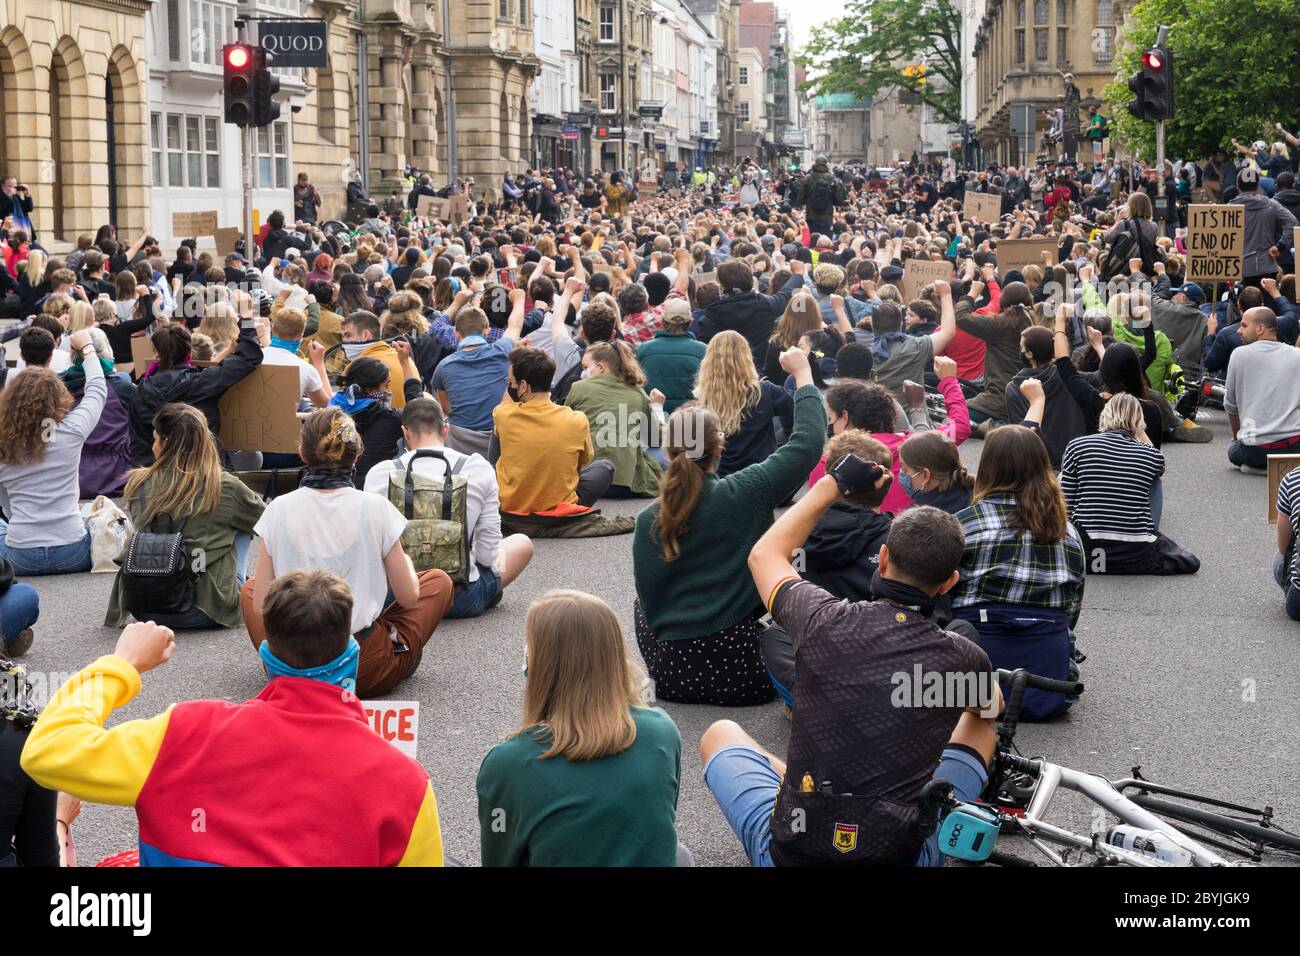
1102 792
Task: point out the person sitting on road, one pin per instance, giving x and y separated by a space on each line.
185 489
747 407
1107 479
238 762
1286 565
472 381
287 327
41 437
496 561
365 394
106 455
672 359
361 340
1002 359
1063 418
543 452
900 357
698 620
174 379
1022 571
1263 391
857 761
590 777
869 407
362 544
931 473
745 311
625 423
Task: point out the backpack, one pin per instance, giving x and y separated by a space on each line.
156 575
436 535
821 195
1129 244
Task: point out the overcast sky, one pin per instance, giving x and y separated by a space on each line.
805 14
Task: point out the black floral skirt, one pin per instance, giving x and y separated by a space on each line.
725 669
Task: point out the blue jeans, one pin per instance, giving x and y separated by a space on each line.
20 606
1282 576
744 783
1253 456
1157 501
472 599
60 559
196 619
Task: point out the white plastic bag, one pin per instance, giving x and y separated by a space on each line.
109 527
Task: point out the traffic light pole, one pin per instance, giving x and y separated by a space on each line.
246 141
1162 35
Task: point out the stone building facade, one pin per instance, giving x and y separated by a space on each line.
72 81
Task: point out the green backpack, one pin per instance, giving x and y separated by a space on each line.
436 535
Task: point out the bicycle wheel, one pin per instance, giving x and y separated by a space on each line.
1268 836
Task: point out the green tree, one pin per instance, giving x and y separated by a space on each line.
1236 73
866 53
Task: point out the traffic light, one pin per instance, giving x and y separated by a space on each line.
237 83
265 86
1153 86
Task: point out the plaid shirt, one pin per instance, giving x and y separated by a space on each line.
641 326
443 330
1002 566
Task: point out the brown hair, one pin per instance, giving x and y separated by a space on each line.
621 361
692 440
1015 462
34 398
307 616
802 316
857 442
581 683
188 472
932 451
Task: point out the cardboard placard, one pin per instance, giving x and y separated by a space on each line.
459 210
1216 241
703 277
919 273
1278 466
1018 253
602 266
431 207
982 207
142 352
226 239
397 721
191 225
258 413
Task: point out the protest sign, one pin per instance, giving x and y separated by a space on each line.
397 721
919 273
191 225
1018 253
1216 240
702 277
142 353
226 239
431 207
982 207
258 412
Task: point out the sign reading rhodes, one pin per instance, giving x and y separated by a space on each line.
1216 239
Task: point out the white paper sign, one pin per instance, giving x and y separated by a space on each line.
397 721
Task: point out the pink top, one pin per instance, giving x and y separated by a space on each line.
957 430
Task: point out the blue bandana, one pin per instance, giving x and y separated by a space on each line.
350 403
472 340
341 671
289 345
884 342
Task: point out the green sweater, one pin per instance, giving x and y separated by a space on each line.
614 811
622 428
1158 370
709 588
211 535
671 363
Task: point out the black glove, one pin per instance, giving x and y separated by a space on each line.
855 475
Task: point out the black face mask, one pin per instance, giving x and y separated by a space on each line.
830 429
1028 359
513 393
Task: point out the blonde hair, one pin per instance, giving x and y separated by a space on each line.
1123 413
220 323
81 316
188 471
581 683
727 381
802 316
34 267
104 311
201 349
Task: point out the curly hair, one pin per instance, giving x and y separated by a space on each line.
404 314
870 406
34 400
727 381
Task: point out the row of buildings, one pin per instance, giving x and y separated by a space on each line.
113 108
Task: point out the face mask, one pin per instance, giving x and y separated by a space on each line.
1027 359
905 480
589 371
513 393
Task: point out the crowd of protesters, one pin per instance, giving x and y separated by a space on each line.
733 343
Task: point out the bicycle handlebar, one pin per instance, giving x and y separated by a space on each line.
1021 680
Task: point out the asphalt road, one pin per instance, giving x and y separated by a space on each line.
1185 676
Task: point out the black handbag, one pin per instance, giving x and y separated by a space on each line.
156 575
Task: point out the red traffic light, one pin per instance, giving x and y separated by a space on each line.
238 57
1153 60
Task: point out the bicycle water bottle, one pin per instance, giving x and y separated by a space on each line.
1148 843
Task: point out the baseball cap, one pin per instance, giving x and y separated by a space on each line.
1192 291
291 253
891 273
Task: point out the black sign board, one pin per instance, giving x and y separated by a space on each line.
295 42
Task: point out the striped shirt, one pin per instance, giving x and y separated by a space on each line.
1107 479
1288 507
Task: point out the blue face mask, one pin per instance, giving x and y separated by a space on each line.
289 345
341 671
905 480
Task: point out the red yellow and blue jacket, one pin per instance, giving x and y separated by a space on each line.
293 777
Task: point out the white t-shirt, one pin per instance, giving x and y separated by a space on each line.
482 500
60 362
308 377
346 532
